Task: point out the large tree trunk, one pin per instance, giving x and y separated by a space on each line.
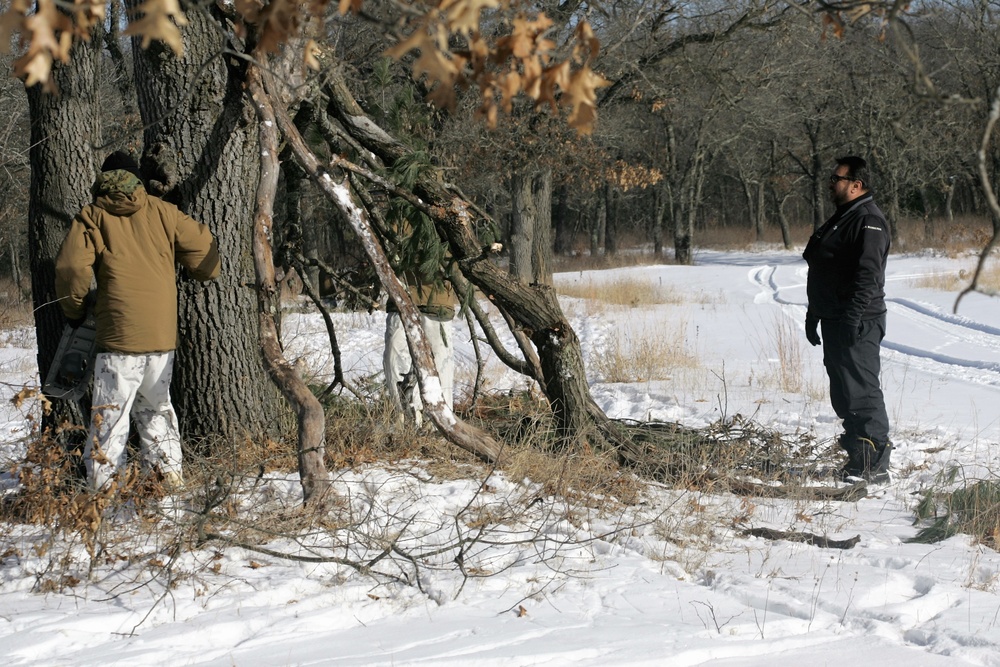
611 207
523 219
541 248
64 129
786 229
949 199
817 177
661 200
597 220
561 222
531 227
684 225
201 154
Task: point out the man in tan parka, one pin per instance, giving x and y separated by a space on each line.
130 241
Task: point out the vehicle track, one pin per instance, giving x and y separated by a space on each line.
962 346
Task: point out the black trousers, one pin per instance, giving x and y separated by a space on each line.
854 383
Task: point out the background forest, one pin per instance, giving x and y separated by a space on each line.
720 116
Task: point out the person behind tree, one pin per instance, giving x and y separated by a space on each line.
845 287
129 241
419 263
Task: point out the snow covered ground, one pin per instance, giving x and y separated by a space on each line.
669 581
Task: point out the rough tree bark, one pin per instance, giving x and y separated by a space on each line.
201 153
541 249
523 219
691 200
65 128
531 227
562 229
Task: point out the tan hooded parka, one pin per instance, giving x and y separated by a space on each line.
130 241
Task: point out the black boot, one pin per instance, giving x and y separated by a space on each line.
876 463
867 460
855 465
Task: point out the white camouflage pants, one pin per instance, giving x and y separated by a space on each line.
397 365
138 384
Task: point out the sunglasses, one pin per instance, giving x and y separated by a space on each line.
834 178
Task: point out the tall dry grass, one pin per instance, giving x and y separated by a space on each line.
955 281
15 307
788 346
645 356
634 293
955 238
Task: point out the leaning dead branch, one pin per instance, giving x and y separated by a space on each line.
309 412
991 198
455 430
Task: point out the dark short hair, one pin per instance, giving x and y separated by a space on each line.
857 170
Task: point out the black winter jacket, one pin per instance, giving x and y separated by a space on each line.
846 258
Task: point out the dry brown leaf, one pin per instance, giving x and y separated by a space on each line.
249 9
278 22
554 79
11 22
88 13
158 18
20 397
463 15
521 611
586 40
581 97
435 65
509 85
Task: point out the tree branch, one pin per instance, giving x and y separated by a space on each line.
455 430
989 193
311 421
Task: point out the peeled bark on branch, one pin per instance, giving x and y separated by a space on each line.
309 412
534 308
457 431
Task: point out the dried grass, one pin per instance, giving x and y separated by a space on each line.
645 356
629 292
956 281
788 345
16 318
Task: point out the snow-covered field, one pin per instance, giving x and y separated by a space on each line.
669 581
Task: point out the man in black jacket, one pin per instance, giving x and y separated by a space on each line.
845 288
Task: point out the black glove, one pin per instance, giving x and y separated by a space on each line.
850 333
812 329
76 323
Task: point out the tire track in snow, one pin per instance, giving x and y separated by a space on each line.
979 341
905 317
770 292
